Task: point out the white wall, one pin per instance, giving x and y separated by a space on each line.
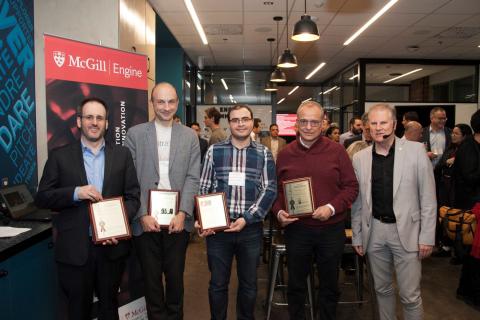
86 20
463 111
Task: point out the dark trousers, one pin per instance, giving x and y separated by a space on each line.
162 253
100 275
221 247
470 278
326 247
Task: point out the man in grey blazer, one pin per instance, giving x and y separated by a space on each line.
273 142
393 218
166 156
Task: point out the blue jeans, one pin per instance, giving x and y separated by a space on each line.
221 248
326 247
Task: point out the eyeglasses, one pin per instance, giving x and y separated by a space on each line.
313 123
237 120
90 118
442 119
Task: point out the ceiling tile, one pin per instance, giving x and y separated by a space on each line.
161 6
249 29
263 17
416 6
226 47
473 55
176 18
421 32
383 55
332 6
331 40
215 5
189 39
380 31
345 31
220 17
399 19
228 54
320 55
369 41
220 39
265 55
363 5
229 61
350 19
319 47
472 42
473 22
185 30
458 50
256 61
460 7
442 20
434 42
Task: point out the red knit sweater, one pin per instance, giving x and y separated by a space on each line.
333 178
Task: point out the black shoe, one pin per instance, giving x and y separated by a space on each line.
441 253
456 260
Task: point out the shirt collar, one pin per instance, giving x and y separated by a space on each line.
251 144
390 151
85 148
431 130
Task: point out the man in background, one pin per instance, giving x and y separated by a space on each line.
326 125
355 130
409 116
212 121
413 131
273 141
203 143
257 127
365 136
177 119
437 136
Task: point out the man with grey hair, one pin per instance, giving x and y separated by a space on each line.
394 216
320 236
437 136
365 136
413 131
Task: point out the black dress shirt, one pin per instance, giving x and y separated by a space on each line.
382 183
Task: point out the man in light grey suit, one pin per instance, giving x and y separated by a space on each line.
273 142
393 218
166 156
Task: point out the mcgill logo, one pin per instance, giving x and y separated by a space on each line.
59 57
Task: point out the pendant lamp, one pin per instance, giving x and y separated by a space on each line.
278 75
287 59
305 29
270 86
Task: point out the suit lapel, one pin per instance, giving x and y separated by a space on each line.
368 177
108 165
151 136
174 140
398 164
77 156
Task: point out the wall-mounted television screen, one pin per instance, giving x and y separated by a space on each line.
286 124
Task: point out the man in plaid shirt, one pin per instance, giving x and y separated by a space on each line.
245 170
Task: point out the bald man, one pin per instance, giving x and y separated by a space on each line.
413 131
166 156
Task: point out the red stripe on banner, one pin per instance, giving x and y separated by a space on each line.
76 61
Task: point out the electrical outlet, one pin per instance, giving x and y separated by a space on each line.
5 182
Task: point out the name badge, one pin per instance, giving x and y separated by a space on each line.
236 179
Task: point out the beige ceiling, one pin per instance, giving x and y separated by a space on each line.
407 23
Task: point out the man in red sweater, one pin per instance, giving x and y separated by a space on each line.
322 235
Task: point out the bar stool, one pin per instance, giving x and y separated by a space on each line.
277 255
359 276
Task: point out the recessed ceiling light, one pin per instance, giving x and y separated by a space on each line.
403 75
375 17
307 100
293 90
422 32
413 48
280 101
330 90
353 77
196 21
268 3
224 84
315 71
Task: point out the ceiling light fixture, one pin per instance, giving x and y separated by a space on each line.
320 92
287 59
306 100
280 101
196 22
355 76
375 17
315 71
271 86
305 29
293 90
403 75
330 90
278 75
224 84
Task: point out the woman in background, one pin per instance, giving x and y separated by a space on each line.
446 190
333 133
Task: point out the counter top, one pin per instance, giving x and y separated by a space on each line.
14 245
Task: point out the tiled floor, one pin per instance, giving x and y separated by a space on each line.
439 283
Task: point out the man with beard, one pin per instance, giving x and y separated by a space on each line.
355 130
167 156
245 170
365 136
88 170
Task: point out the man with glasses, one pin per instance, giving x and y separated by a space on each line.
167 156
321 236
365 136
436 136
245 171
89 169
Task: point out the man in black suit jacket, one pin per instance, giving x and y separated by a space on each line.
88 170
365 136
203 143
438 118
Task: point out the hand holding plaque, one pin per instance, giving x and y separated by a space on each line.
212 212
299 201
109 220
163 205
